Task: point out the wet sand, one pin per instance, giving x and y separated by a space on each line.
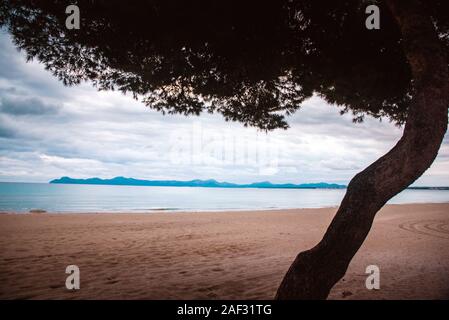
215 255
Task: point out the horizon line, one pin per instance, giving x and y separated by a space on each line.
276 185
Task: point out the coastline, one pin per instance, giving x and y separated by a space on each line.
214 255
174 211
62 198
168 211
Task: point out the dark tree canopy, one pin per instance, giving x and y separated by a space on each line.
251 61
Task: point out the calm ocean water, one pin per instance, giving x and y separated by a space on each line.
22 197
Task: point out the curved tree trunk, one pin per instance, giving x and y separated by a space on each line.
316 271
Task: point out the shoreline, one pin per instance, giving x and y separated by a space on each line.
204 255
162 211
155 211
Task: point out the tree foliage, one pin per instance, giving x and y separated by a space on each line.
252 61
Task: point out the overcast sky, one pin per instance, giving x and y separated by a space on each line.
48 131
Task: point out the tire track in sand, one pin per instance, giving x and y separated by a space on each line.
433 228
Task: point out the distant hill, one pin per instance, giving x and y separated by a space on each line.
121 181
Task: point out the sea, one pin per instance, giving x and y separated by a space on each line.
66 198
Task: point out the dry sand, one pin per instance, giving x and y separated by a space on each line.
225 255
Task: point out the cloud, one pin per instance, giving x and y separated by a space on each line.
26 106
48 130
5 130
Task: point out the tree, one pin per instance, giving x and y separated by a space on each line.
256 62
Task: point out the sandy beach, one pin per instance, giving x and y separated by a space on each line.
214 255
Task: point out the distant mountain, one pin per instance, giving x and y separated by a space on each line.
121 181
